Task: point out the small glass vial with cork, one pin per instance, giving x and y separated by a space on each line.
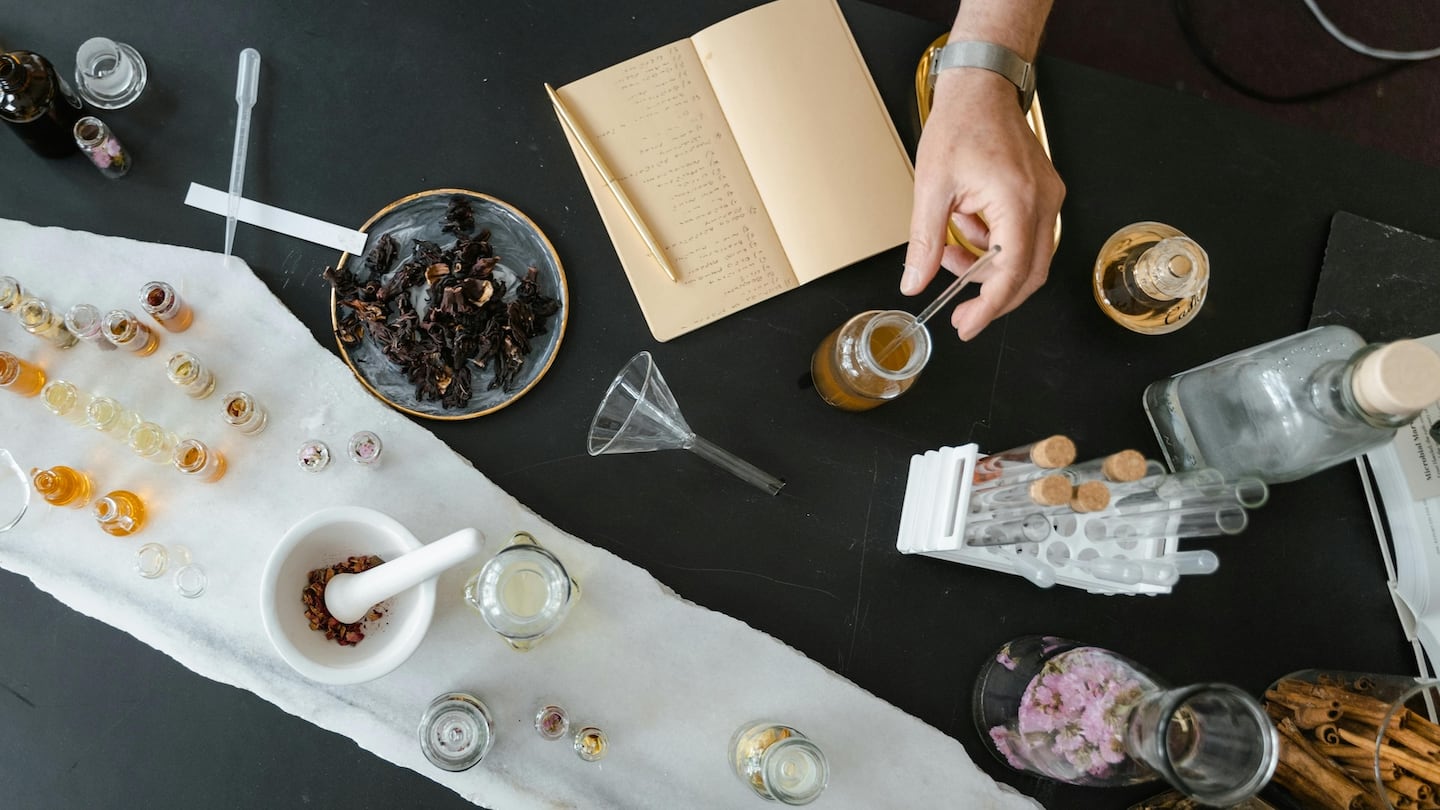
161 302
62 486
871 359
66 401
456 731
108 416
779 763
86 322
20 376
127 332
120 513
243 413
193 458
185 370
152 442
1151 278
39 320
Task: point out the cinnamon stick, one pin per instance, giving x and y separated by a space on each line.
1315 770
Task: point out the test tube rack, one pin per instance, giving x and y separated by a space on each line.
937 506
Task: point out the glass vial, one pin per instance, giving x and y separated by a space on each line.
456 731
243 413
62 486
190 580
39 320
552 722
779 763
1285 409
849 370
1151 278
591 744
120 513
161 302
193 458
66 401
523 593
85 321
11 294
127 332
37 104
313 456
184 369
364 449
109 74
152 442
20 376
99 143
108 416
151 560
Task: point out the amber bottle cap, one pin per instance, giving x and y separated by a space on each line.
1054 452
1052 490
1091 496
1126 465
1399 378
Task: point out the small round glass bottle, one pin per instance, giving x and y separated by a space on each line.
108 416
185 370
1151 278
120 513
127 332
152 442
243 413
86 322
20 376
779 763
62 486
99 143
523 593
39 320
456 731
66 401
855 368
161 302
193 458
11 294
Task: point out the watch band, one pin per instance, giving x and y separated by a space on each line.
989 56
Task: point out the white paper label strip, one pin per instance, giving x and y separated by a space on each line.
277 219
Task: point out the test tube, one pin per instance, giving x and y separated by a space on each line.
1047 454
1051 490
1204 520
1250 493
86 322
1090 496
1125 466
1031 528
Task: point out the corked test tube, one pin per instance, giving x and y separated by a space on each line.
1089 496
1051 490
1205 520
1031 460
1124 467
1031 528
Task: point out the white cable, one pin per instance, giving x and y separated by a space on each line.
1360 47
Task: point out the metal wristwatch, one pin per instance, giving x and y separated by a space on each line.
992 57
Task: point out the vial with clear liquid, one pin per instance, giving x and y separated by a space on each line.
1151 278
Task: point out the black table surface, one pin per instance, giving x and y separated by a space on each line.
363 103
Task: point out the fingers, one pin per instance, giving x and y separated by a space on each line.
1016 274
927 238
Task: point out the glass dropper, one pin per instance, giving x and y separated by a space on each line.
247 88
939 303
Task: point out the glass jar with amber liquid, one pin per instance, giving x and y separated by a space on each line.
37 103
119 513
62 486
1151 278
861 365
20 376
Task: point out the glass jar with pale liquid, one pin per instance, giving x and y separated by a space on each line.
523 593
861 364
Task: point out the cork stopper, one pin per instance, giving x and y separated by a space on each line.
1052 490
1053 453
1091 496
1126 465
1398 379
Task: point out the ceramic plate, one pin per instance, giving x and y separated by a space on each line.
518 243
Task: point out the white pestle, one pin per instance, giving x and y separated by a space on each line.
349 597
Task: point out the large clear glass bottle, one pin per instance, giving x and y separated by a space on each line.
1151 278
1088 716
37 104
1294 406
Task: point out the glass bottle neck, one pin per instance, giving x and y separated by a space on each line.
1332 392
1213 742
12 73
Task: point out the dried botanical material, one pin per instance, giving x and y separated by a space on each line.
313 598
471 320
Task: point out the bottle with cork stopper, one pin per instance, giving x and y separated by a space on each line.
1151 278
1294 406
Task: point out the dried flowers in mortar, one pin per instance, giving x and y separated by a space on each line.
471 320
313 597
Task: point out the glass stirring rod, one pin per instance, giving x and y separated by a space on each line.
247 88
939 303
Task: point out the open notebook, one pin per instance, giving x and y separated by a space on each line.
759 154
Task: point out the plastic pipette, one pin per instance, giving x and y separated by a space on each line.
935 306
247 87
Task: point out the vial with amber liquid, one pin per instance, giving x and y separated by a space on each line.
161 302
1151 278
62 486
243 413
193 458
39 320
127 332
184 369
861 365
120 513
20 376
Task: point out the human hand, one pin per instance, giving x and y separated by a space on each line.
978 159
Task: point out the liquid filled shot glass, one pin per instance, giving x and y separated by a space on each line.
523 593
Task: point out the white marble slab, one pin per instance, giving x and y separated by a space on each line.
706 673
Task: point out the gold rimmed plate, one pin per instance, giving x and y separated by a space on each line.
518 244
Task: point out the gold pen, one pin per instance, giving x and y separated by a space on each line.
610 181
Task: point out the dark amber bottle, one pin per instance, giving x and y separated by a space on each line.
37 103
